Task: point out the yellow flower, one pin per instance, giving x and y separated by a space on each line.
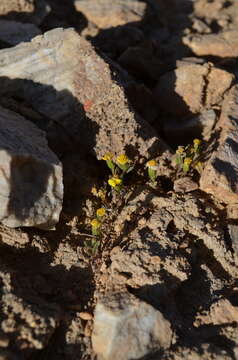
114 181
122 159
108 156
197 142
96 224
101 212
94 191
180 150
152 164
187 161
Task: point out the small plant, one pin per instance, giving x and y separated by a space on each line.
152 166
187 157
96 227
119 167
108 157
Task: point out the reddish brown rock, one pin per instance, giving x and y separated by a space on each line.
222 45
220 176
192 88
221 312
107 13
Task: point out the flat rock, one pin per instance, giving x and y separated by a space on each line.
13 32
192 88
127 328
60 75
31 191
106 14
220 176
224 44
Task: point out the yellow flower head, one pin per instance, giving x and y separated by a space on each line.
180 150
197 142
108 156
152 164
114 181
101 212
94 191
122 159
187 161
96 223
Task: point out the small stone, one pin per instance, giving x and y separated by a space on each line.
126 328
185 184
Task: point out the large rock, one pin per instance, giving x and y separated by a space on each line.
60 75
106 14
192 88
126 328
33 11
220 176
224 44
31 188
13 32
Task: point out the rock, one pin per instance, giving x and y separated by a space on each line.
126 328
31 175
25 318
12 32
142 101
192 88
224 44
221 312
29 11
106 14
60 75
181 132
142 62
220 176
114 41
185 184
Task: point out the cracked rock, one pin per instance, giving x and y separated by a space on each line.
220 176
192 88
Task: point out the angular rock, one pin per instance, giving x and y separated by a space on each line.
31 191
24 10
126 328
106 14
192 88
142 63
224 44
60 75
221 312
12 32
220 176
181 132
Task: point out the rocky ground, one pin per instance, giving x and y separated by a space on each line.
80 79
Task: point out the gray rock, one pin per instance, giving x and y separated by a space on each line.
126 328
31 188
13 32
60 75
